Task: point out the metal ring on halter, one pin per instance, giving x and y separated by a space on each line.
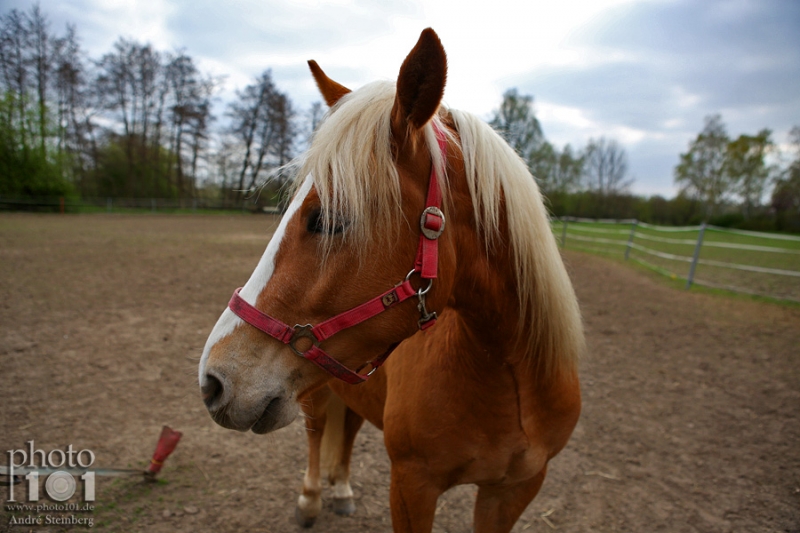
423 292
420 292
368 374
302 332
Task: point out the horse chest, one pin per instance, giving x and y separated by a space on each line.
463 433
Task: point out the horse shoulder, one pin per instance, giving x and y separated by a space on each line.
550 408
366 399
459 410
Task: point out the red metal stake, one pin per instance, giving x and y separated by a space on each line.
166 444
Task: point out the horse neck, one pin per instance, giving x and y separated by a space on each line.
483 293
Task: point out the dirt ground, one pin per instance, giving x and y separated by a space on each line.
691 417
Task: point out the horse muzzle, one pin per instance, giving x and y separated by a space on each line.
257 410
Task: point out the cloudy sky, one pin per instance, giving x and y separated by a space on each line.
644 72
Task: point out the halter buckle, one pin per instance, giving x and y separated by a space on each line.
303 332
432 222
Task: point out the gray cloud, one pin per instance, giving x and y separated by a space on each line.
229 30
652 68
670 64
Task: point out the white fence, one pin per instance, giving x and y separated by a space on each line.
764 264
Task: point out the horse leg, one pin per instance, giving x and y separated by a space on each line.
498 507
309 503
337 448
412 498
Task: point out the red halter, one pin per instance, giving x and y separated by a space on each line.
426 263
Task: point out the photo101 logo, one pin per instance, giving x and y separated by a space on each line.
57 468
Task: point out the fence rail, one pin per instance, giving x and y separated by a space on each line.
116 204
750 262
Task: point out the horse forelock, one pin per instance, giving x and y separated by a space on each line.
353 165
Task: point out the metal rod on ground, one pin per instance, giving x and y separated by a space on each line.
630 239
564 233
696 256
167 441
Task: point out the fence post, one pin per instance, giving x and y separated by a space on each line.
696 256
108 204
564 233
630 239
153 204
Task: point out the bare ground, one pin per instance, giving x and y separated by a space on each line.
691 417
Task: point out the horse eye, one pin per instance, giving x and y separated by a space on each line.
316 224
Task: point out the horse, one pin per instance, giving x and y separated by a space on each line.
399 201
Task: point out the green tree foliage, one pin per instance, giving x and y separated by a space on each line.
719 171
557 172
62 125
163 105
746 168
31 161
701 171
786 194
25 168
151 164
564 175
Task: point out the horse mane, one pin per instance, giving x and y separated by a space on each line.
351 161
497 176
354 173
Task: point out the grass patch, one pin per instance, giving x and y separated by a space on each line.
723 260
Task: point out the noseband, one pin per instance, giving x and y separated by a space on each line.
426 264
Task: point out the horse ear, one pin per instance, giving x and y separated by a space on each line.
331 91
420 85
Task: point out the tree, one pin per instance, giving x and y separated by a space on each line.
745 168
263 123
190 112
41 44
701 171
606 167
164 106
716 169
557 172
786 194
30 162
313 117
516 121
14 48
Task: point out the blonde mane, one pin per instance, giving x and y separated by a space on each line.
549 309
354 173
351 161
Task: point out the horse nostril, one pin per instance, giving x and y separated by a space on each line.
212 391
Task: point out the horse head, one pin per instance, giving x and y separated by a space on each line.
345 265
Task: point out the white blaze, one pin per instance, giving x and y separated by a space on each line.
258 279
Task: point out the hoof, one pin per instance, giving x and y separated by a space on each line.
344 506
302 519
